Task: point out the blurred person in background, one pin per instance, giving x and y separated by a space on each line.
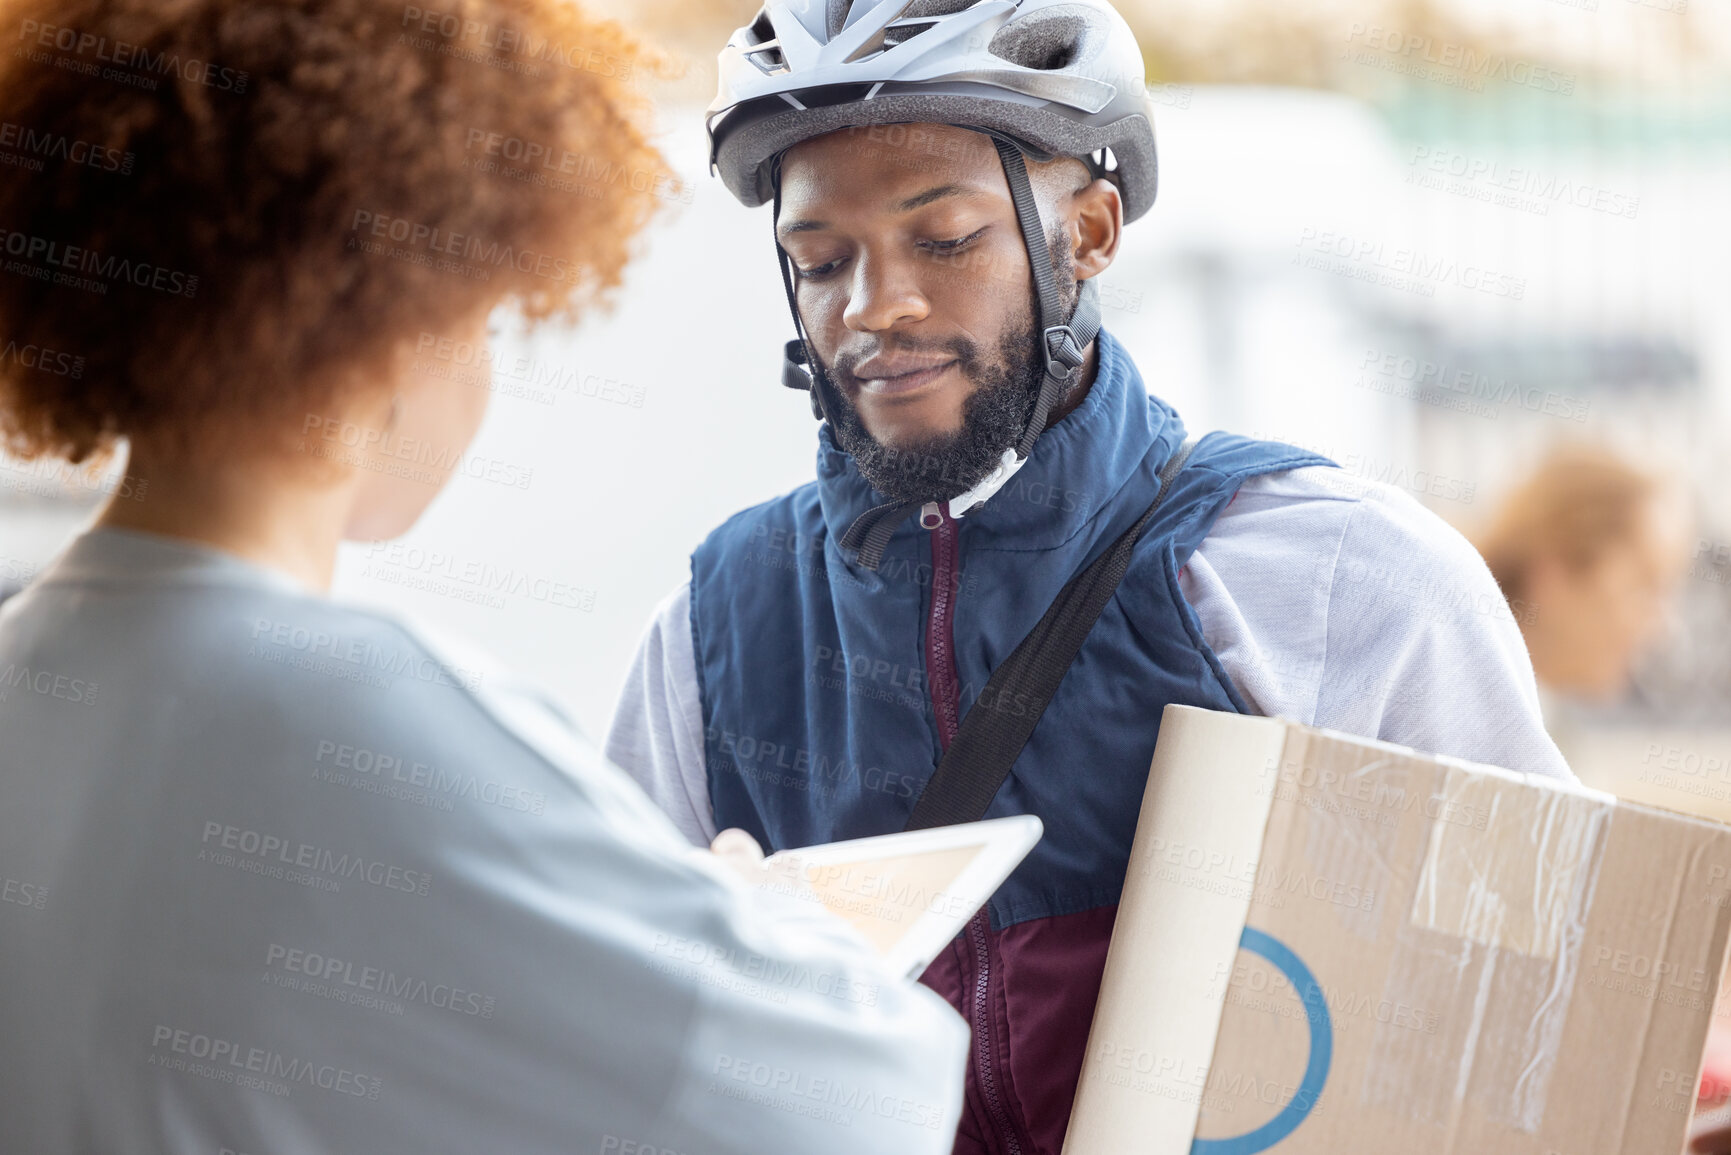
1589 550
948 183
277 874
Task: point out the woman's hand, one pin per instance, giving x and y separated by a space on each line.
784 873
741 852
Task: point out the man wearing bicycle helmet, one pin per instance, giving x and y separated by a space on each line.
949 178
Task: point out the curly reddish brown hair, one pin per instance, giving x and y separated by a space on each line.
220 214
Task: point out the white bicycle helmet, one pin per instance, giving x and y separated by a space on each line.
1059 77
1047 78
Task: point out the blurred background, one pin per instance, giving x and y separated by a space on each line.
1476 249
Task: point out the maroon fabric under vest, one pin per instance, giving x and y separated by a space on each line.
1043 980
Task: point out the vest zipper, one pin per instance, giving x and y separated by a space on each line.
940 627
946 705
981 1021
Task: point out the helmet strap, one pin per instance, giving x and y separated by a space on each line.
1063 343
870 532
800 368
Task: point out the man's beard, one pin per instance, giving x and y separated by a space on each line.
993 417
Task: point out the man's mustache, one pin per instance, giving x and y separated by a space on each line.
965 351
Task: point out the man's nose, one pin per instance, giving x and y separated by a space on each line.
884 294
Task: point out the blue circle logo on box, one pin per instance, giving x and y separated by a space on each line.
1315 1071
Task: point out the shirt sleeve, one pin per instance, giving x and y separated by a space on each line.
796 1038
1345 604
656 735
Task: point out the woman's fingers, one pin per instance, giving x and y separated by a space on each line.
735 843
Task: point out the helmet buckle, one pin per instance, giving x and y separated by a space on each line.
1062 349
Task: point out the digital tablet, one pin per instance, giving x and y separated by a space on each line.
909 894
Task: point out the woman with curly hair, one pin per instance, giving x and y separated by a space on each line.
280 875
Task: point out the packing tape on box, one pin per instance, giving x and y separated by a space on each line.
1524 895
1495 924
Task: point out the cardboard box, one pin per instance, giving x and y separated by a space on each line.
1327 944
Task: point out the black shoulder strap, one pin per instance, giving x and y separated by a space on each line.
1001 720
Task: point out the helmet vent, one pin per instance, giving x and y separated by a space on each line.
1045 44
896 33
835 15
924 9
770 61
766 50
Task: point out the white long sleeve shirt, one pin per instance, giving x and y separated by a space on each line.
282 876
1330 600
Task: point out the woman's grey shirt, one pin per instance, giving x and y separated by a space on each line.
278 875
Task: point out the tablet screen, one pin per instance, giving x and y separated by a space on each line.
884 897
910 893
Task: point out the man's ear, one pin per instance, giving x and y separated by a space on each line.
1096 223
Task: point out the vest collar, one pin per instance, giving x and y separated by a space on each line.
1078 467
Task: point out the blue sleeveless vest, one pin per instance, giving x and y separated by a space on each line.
817 712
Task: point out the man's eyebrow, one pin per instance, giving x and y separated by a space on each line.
936 193
918 200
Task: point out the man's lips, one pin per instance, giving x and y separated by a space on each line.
889 384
